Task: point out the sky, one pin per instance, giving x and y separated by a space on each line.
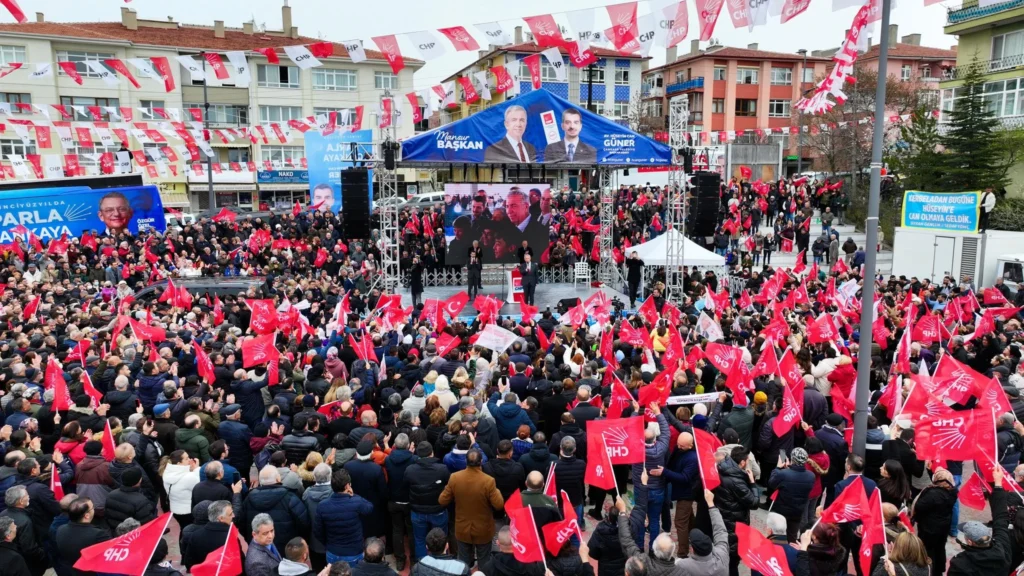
338 20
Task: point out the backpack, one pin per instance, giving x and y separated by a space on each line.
263 458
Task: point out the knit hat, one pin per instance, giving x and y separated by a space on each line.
131 477
700 542
309 400
364 449
760 398
160 409
798 456
834 420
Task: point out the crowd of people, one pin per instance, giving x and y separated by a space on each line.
337 431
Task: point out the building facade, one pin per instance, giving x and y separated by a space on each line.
908 61
276 93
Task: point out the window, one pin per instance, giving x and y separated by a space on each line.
221 114
10 54
746 75
269 76
622 76
658 82
779 108
929 98
620 110
15 147
86 101
925 72
905 72
150 104
746 107
547 73
680 77
720 72
282 154
79 59
653 108
84 151
808 75
334 79
1002 97
280 113
718 106
598 108
233 155
782 76
1007 50
326 111
13 98
598 74
388 81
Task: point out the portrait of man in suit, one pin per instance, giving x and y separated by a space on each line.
571 149
512 149
517 204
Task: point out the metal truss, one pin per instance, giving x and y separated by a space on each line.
388 211
607 272
678 118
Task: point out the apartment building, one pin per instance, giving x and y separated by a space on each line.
276 93
910 62
990 39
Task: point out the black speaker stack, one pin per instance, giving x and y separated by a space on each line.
355 202
702 207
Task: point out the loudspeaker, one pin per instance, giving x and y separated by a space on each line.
355 202
390 149
565 304
708 184
687 154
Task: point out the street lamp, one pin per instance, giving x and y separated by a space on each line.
800 134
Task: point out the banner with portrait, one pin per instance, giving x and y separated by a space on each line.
536 128
49 213
499 217
327 156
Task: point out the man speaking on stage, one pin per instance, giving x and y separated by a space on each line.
528 270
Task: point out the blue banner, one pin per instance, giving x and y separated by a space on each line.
283 176
50 212
536 128
947 211
326 157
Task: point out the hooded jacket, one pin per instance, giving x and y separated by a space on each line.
539 458
425 480
193 441
509 417
290 516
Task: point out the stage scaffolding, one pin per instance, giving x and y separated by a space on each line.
678 117
387 180
607 272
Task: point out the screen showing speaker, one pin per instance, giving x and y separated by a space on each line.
500 217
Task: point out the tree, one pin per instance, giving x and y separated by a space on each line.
640 117
972 160
916 158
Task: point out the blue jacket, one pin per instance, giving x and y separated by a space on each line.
150 387
834 443
236 436
290 516
249 395
794 485
683 472
657 454
395 465
338 523
231 474
456 459
508 418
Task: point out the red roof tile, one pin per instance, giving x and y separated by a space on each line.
183 36
912 51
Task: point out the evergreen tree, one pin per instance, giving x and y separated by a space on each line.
973 160
919 163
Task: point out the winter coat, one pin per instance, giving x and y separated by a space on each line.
682 472
122 403
794 484
298 445
539 459
92 479
193 441
312 498
249 395
118 468
73 449
178 483
568 563
605 548
236 436
425 480
1008 443
43 508
509 417
443 565
128 502
569 474
741 419
577 434
456 459
338 523
657 454
150 387
835 446
396 464
290 516
206 539
475 496
735 497
932 511
12 561
26 540
508 476
72 538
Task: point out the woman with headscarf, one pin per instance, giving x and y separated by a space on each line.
334 365
932 511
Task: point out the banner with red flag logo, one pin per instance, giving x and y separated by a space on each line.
964 435
224 561
972 492
789 416
126 554
623 438
526 546
759 553
259 350
849 506
264 316
706 444
599 466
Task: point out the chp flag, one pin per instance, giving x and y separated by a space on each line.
623 438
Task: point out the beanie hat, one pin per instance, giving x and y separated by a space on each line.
364 449
760 398
700 542
834 419
131 477
798 456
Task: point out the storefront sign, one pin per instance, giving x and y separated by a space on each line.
283 176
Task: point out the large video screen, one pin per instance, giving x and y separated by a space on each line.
500 217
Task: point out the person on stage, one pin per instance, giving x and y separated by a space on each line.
524 249
528 270
475 270
634 276
416 280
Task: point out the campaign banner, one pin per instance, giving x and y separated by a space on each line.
536 128
516 294
326 157
51 212
945 211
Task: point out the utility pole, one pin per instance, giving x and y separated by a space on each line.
590 87
800 133
860 418
211 197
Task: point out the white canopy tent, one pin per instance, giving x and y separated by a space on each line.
655 252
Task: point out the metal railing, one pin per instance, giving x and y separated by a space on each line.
970 10
496 275
985 66
691 84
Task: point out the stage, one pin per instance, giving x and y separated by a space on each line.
546 296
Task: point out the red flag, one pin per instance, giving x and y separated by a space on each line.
526 546
445 343
108 442
514 502
55 486
225 215
993 396
648 311
363 348
259 350
620 398
321 258
930 329
127 554
527 311
31 309
224 561
454 305
270 53
744 301
389 46
874 530
545 30
789 416
532 63
542 339
264 316
992 295
822 330
218 311
549 483
759 553
706 444
963 381
965 435
203 364
623 437
54 379
849 506
767 362
556 534
599 466
787 245
920 402
972 492
460 38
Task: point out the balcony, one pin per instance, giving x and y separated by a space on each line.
985 66
652 92
969 10
692 84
